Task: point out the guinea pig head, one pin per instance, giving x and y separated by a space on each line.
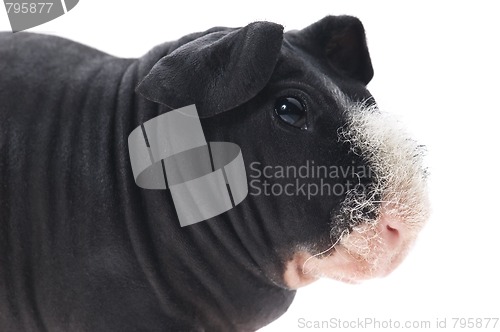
336 187
378 196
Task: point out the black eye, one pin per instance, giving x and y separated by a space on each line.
292 111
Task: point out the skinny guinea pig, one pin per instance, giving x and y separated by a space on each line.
335 187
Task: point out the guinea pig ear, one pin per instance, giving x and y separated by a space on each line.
218 71
342 39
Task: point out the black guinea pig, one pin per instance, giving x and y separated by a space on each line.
335 187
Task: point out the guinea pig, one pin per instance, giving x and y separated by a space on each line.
336 188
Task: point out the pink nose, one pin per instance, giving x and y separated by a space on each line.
396 238
390 229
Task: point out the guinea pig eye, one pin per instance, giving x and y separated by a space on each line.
292 111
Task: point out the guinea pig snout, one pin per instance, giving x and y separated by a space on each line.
379 248
374 229
370 250
386 244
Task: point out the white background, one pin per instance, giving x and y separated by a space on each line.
436 65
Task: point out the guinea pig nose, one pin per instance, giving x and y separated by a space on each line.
390 229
